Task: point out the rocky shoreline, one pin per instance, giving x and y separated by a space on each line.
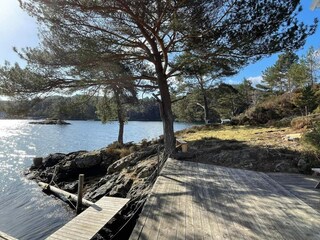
121 171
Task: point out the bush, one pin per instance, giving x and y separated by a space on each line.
262 115
312 138
301 122
284 122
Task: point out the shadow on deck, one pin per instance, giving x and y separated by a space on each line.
199 201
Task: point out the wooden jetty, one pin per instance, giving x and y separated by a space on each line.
199 201
89 222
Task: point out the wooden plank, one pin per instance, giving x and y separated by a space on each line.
89 222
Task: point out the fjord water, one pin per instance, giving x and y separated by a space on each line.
25 211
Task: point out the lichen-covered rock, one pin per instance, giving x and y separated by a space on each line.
88 160
107 158
101 188
101 191
146 171
122 188
120 164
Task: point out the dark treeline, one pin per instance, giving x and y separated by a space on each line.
74 108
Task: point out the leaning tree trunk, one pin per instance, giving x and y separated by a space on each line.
166 116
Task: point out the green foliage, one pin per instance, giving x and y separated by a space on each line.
276 76
271 109
223 101
146 110
306 100
187 109
312 138
106 109
21 82
247 92
299 75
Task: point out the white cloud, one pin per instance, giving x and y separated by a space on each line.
255 80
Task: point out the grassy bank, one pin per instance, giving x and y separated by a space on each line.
258 148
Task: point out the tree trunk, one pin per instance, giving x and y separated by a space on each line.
121 130
205 101
206 110
120 116
166 116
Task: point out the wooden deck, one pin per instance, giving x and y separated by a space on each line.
198 201
89 222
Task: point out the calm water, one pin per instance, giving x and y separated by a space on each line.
26 212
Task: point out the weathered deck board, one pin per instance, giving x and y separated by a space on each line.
89 222
301 186
199 201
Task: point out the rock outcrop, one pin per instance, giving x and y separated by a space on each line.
106 174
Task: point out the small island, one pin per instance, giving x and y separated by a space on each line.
51 122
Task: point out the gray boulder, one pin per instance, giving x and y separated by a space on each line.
122 188
53 159
88 160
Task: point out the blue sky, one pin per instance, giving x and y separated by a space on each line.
19 30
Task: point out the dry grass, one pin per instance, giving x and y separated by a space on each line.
256 136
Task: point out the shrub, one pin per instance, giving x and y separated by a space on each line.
123 152
301 122
312 138
284 122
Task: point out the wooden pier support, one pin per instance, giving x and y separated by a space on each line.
80 193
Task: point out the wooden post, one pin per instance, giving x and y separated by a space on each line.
80 193
184 147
